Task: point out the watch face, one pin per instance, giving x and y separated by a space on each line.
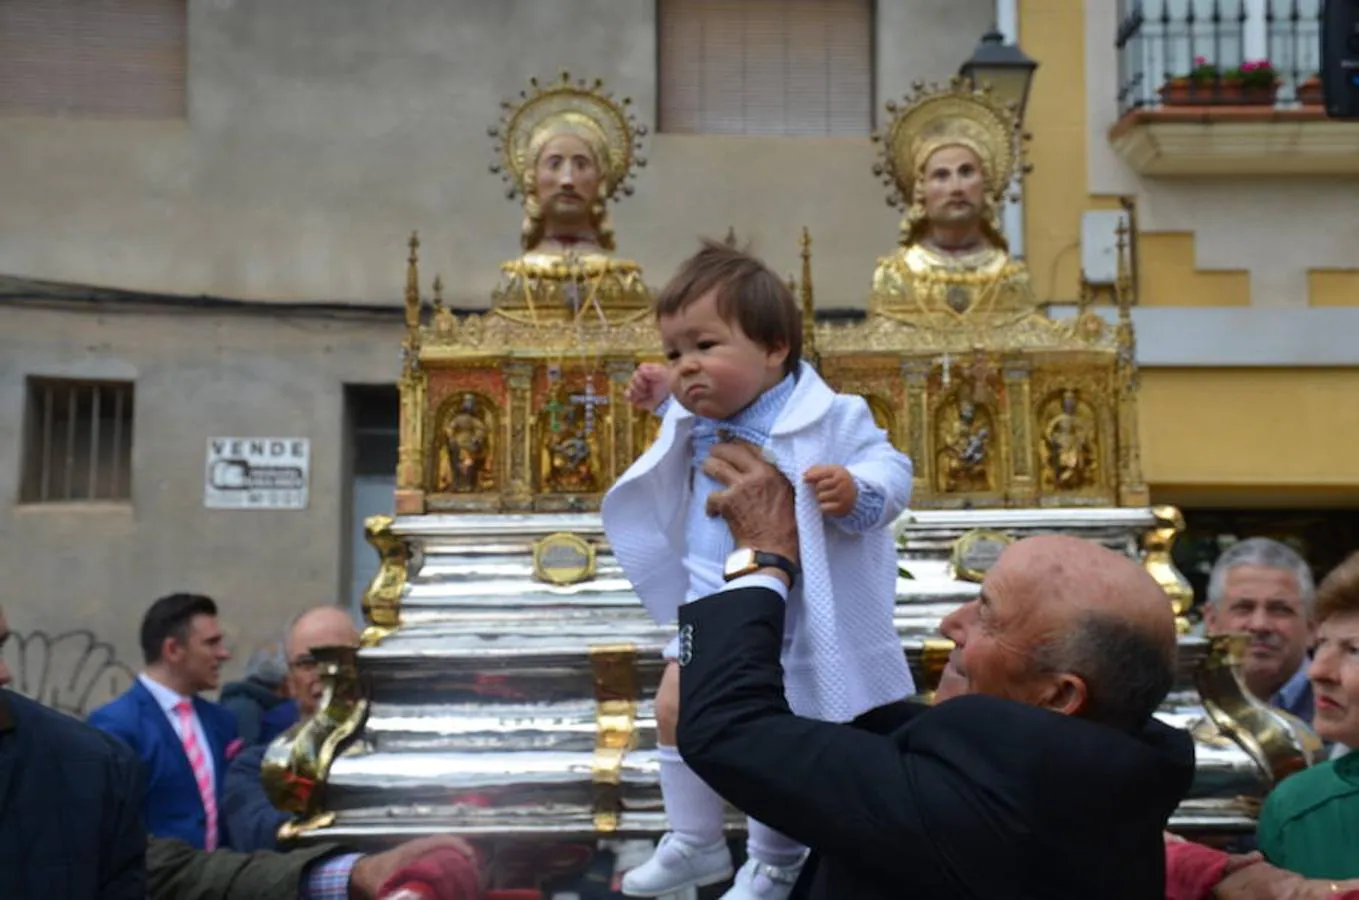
739 561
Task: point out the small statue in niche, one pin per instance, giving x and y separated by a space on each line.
1068 441
964 449
569 455
465 450
882 414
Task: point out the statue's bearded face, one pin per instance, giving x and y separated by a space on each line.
567 177
954 186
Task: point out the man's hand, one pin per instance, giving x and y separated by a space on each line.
1257 880
835 490
370 872
757 501
648 387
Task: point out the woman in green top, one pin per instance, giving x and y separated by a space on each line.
1310 822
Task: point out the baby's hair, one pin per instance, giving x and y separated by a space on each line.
749 295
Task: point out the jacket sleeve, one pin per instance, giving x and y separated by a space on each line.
889 717
122 866
866 452
177 871
839 789
107 721
251 821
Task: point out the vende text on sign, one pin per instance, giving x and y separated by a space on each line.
257 473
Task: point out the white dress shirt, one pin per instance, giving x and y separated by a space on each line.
756 580
168 700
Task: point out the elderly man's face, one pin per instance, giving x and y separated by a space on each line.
323 627
1265 603
996 635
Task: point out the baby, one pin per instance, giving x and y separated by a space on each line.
732 335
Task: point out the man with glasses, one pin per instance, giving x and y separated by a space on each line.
252 821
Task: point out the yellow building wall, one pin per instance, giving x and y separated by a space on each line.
1256 435
1169 276
1056 191
1248 437
1333 287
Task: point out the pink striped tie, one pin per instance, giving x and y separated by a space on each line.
198 761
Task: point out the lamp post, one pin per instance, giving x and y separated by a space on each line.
1003 66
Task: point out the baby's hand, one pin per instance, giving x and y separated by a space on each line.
835 489
648 387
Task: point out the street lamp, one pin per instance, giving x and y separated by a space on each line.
1004 67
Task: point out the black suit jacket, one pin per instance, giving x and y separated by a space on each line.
70 809
977 797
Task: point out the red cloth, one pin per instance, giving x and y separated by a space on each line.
445 874
1193 870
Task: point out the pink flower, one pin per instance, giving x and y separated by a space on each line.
1200 60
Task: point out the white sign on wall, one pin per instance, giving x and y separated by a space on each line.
257 473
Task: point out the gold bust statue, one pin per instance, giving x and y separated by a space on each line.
567 150
950 154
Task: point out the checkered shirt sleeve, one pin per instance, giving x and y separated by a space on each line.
329 879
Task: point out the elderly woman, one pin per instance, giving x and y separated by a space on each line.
1310 823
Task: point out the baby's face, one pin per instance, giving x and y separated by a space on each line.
715 370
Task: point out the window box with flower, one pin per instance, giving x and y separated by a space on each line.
1309 91
1253 83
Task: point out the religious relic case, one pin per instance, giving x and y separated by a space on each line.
505 684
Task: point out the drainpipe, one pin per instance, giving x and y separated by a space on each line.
1012 218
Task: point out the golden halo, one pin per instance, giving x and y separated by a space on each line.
577 107
956 114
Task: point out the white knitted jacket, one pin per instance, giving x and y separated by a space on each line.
842 655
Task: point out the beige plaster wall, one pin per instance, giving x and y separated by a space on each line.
320 132
1276 229
94 568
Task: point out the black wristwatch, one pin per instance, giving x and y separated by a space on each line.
745 561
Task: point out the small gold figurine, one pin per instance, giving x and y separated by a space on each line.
465 450
1068 440
965 434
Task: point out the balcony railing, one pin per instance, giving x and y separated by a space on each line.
1209 53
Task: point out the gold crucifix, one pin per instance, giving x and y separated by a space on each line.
980 371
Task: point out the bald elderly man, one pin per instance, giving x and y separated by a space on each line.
253 821
1039 773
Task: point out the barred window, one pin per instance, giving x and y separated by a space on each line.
78 441
795 67
94 57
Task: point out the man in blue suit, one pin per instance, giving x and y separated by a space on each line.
183 740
